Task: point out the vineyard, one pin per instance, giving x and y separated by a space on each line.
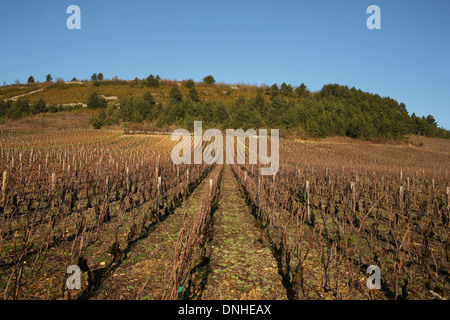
140 227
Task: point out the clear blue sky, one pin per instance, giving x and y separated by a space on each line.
315 42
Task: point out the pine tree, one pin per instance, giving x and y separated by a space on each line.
209 80
96 101
286 89
193 95
175 95
301 90
274 90
190 84
152 82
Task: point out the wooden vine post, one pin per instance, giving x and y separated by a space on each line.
53 181
308 210
5 176
448 203
259 194
187 178
353 189
159 191
401 198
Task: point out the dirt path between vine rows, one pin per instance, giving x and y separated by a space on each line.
241 265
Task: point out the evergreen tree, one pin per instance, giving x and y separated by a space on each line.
274 90
259 101
175 95
99 121
209 80
21 108
39 107
190 84
286 89
149 97
96 101
193 95
152 82
301 90
430 119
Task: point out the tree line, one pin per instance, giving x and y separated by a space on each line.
15 110
335 110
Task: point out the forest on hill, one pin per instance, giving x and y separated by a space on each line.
335 110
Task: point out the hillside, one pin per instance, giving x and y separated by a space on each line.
157 103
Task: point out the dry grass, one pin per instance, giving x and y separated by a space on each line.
79 93
12 91
57 121
435 144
